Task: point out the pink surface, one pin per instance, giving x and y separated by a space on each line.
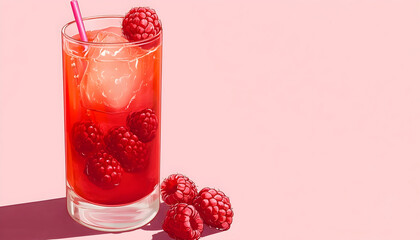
306 113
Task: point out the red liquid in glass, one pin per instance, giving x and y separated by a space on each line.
89 95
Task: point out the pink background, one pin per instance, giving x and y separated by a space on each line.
305 112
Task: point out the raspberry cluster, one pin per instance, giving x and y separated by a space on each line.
190 209
120 150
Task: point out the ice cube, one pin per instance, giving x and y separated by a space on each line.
111 79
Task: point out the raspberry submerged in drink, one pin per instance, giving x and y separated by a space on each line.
105 81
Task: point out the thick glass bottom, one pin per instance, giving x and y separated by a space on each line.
113 218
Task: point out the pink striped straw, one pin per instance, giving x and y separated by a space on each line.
79 21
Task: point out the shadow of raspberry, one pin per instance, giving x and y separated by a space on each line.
156 225
161 236
209 231
164 236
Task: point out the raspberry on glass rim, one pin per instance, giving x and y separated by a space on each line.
141 23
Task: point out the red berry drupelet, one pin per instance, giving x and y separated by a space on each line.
127 149
178 188
215 208
144 124
182 222
141 23
86 137
104 170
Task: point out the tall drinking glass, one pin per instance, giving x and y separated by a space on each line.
112 109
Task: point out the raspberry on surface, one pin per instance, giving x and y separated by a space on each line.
178 188
86 137
183 222
104 170
141 23
144 124
127 149
215 208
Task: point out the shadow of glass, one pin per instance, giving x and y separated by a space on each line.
49 220
156 223
40 220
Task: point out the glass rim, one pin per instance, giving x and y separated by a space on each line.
70 38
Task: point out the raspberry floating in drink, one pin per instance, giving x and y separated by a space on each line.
87 137
127 149
144 124
104 170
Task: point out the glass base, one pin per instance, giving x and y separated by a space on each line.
113 218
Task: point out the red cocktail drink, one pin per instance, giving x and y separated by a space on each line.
112 102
